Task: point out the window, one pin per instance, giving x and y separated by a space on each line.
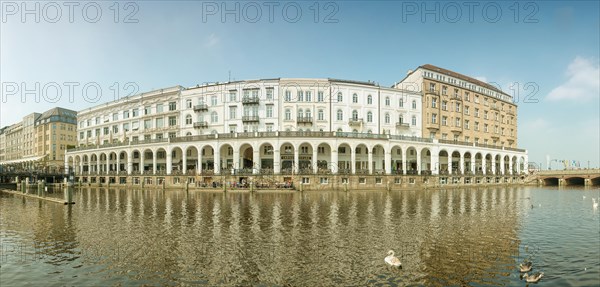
106 131
269 111
432 87
369 117
300 96
485 128
355 115
89 133
126 114
126 127
444 120
401 103
369 100
467 97
232 113
387 118
233 96
269 127
135 112
485 115
320 115
115 129
354 98
147 124
188 119
308 95
340 115
340 98
288 114
476 112
160 154
213 100
288 96
444 105
476 126
414 105
401 119
269 94
320 96
444 136
159 108
433 102
159 123
387 101
81 135
300 113
467 124
414 120
444 90
433 118
97 121
214 117
172 106
308 113
458 107
457 122
466 110
172 135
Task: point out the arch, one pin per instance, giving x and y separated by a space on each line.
266 151
468 163
191 160
378 158
455 162
478 163
188 119
287 158
354 115
551 181
397 162
207 154
411 160
305 158
361 159
488 163
442 165
369 100
369 117
497 164
576 180
176 160
323 160
354 98
246 158
344 163
161 160
226 162
506 165
426 164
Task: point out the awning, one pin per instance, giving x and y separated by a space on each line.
21 160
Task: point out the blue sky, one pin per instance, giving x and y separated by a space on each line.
551 47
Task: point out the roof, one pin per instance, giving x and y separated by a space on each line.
460 76
58 111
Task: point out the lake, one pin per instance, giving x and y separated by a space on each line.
474 237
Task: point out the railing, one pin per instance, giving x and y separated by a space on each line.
455 142
200 125
515 149
250 118
488 146
250 100
355 122
200 107
432 92
402 125
304 120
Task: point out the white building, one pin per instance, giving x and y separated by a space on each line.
274 126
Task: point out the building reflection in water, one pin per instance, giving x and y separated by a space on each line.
444 237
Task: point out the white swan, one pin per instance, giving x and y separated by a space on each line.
595 204
393 260
533 278
525 266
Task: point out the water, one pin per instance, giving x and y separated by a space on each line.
472 237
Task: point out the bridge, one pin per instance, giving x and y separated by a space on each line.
583 177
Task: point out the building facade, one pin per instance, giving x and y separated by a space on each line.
459 108
39 142
275 126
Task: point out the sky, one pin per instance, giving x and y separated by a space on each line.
545 54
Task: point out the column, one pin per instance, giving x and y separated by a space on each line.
510 166
118 164
314 160
404 161
107 164
502 165
129 162
435 160
81 165
483 165
296 158
418 161
169 162
493 165
217 159
67 165
97 164
154 159
334 161
370 160
256 166
473 164
199 163
184 161
236 159
276 161
353 160
449 163
461 165
388 162
141 165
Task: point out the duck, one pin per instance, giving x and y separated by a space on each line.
525 266
393 260
533 278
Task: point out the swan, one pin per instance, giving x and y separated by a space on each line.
595 204
533 278
525 266
393 260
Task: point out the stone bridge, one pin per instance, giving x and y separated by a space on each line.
584 177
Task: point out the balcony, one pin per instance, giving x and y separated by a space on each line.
402 125
250 101
200 125
200 107
304 120
355 122
250 119
456 129
432 92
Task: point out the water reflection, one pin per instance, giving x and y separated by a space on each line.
132 237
